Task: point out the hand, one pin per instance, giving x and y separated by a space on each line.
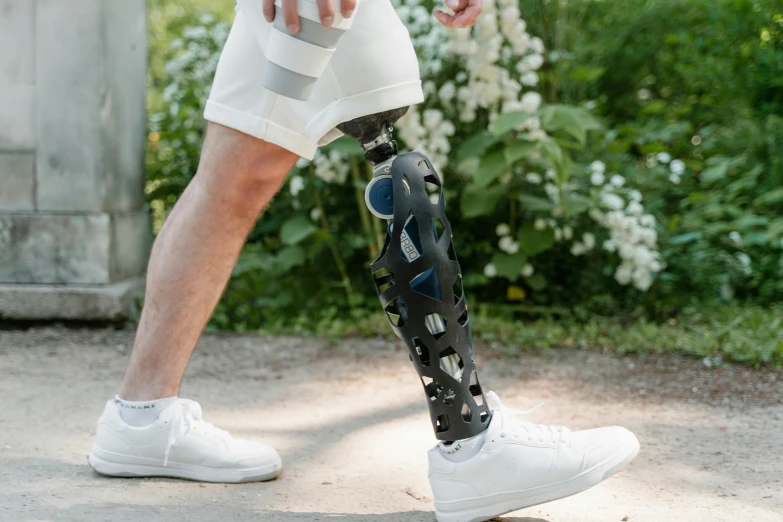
325 8
466 12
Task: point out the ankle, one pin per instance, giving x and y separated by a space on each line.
142 413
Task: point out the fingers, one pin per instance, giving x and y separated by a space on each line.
469 16
347 8
326 11
269 10
290 16
466 13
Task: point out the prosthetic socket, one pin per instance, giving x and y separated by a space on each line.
419 280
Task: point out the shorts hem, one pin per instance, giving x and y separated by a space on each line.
260 128
364 104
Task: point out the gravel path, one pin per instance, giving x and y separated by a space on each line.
350 422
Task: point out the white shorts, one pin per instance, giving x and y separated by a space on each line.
373 69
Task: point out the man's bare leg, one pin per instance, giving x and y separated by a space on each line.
195 252
146 431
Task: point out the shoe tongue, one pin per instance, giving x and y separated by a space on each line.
493 401
181 404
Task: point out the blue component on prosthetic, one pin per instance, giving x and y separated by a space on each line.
381 196
426 283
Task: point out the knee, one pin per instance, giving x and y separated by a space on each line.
246 172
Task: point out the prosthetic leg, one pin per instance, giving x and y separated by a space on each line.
418 278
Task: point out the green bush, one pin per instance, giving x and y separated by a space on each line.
644 179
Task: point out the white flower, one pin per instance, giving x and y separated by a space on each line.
315 214
527 270
674 178
533 178
296 185
663 157
434 198
531 102
447 92
568 233
577 249
537 135
610 245
644 94
598 166
540 224
612 201
642 280
506 244
623 273
648 236
589 240
647 220
597 178
642 256
552 191
744 260
635 195
677 167
490 270
735 238
502 230
537 45
529 78
513 248
302 163
627 251
634 208
558 234
617 180
432 119
533 61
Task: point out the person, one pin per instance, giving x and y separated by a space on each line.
498 463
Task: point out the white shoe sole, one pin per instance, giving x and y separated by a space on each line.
481 509
181 471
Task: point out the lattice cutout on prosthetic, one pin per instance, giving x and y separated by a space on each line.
421 291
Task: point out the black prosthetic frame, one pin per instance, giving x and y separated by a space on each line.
457 404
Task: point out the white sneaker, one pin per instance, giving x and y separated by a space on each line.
178 444
521 464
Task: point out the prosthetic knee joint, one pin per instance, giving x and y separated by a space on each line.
419 280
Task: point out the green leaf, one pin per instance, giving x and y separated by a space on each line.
478 201
516 150
295 229
714 173
772 197
346 145
475 146
532 241
490 167
573 204
560 162
537 282
509 266
290 257
573 120
535 204
587 74
689 237
508 121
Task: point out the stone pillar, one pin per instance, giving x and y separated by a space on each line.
74 234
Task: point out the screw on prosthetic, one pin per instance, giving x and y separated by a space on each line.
419 280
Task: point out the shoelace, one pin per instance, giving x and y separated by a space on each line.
532 429
186 417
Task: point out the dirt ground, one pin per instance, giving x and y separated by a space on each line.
350 422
